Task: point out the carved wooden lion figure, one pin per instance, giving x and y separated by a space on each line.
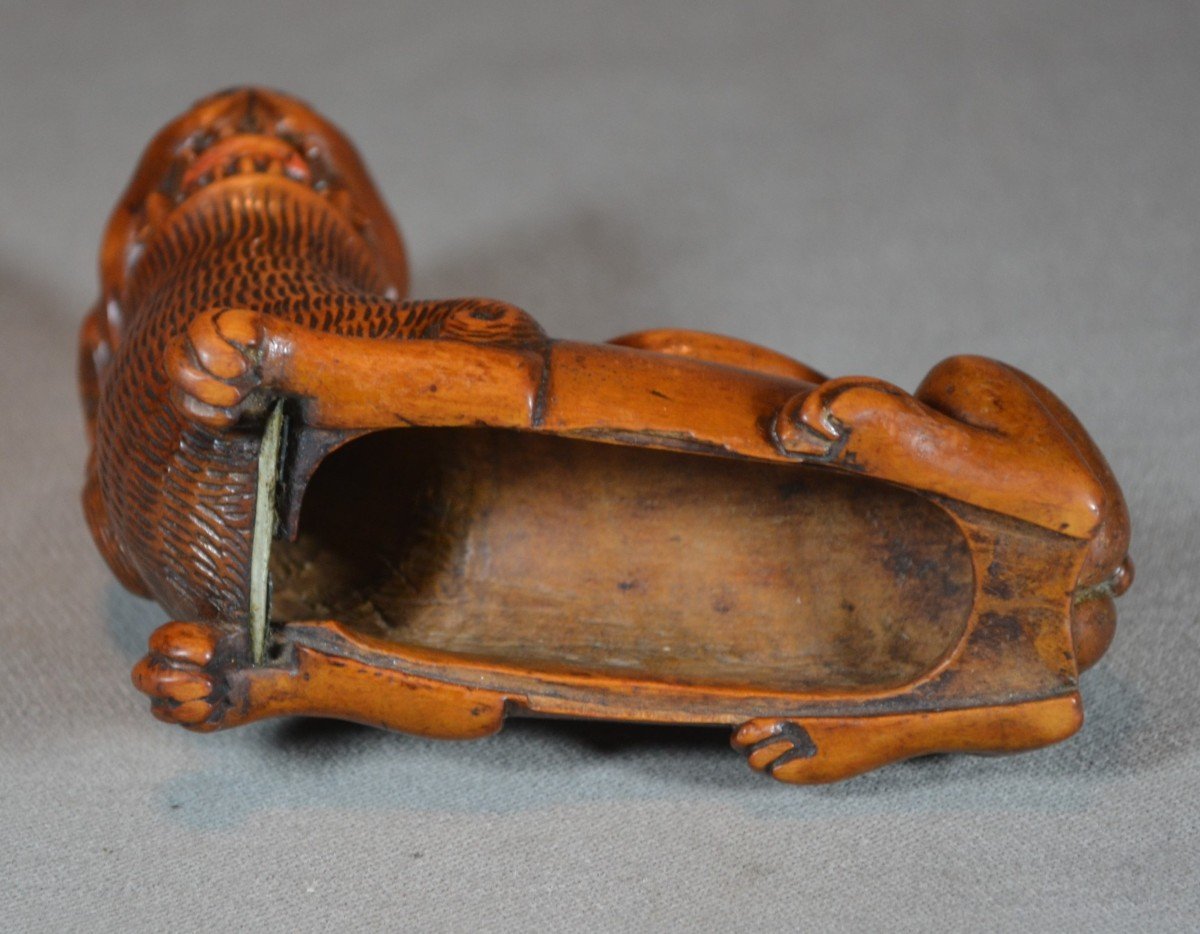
672 526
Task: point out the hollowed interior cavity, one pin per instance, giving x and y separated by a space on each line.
562 554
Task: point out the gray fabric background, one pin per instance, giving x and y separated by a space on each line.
869 187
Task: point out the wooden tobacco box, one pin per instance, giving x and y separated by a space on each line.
429 516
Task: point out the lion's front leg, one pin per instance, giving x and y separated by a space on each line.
199 675
231 362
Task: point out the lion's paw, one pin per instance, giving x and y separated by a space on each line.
180 675
215 367
770 743
816 424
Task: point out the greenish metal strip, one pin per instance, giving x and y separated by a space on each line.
264 533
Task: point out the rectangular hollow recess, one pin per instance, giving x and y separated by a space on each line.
572 555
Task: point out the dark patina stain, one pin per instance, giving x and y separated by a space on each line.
999 629
997 587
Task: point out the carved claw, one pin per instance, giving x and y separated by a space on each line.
182 674
215 369
768 744
815 423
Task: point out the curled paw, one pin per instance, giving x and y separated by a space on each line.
769 744
181 675
816 423
215 368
